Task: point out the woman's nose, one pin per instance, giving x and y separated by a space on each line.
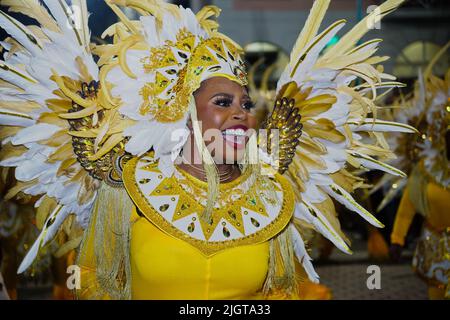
239 113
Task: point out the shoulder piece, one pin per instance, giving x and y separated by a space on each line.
242 215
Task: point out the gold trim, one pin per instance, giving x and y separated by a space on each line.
209 248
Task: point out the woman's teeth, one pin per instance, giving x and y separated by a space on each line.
234 132
234 137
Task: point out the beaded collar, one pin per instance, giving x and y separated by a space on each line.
244 214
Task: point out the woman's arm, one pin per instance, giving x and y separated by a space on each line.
403 219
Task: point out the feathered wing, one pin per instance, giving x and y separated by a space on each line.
45 76
66 120
338 119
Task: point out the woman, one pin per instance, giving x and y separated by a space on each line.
222 106
152 149
427 189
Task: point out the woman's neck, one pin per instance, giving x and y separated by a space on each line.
226 172
192 164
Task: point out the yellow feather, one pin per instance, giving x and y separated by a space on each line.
84 72
62 153
9 151
207 12
311 27
328 210
122 16
71 95
7 131
350 39
57 139
123 55
88 187
104 93
66 164
84 134
323 128
20 186
46 207
107 146
80 114
312 145
19 106
68 246
32 9
59 105
52 118
435 59
204 15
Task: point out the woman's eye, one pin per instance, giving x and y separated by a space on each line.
248 105
223 102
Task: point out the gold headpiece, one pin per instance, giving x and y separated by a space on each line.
153 67
179 69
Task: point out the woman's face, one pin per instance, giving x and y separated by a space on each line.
226 114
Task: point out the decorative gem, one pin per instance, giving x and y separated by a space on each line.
226 232
255 222
164 207
144 180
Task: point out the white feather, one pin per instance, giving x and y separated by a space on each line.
37 132
380 126
302 255
343 197
51 225
303 211
21 33
370 163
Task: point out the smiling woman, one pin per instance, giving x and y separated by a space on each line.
225 112
153 148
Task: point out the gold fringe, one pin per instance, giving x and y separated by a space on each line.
106 244
212 176
281 275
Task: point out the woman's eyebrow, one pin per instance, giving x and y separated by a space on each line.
246 96
223 94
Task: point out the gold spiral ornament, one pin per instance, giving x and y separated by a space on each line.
107 168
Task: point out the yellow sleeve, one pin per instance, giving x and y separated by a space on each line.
403 219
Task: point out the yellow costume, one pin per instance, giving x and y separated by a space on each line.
96 138
437 219
164 266
432 254
173 269
426 159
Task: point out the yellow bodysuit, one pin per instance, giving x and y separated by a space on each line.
164 267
